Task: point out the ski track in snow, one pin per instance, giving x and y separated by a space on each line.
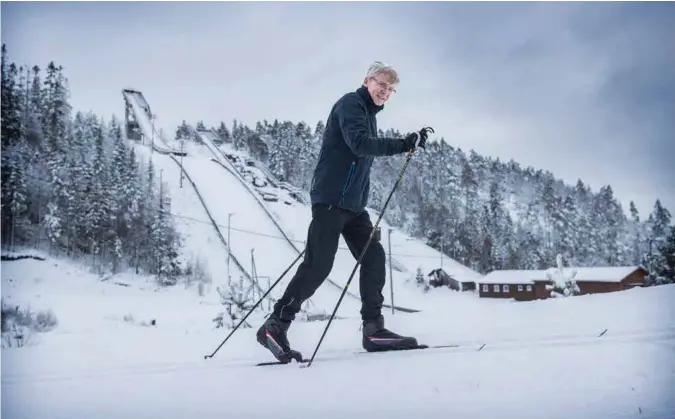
597 356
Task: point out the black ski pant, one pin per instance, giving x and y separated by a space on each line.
323 236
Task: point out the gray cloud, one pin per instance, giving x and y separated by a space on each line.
583 90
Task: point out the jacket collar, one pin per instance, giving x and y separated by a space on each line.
372 107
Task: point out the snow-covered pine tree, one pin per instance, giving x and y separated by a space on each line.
304 156
119 191
468 231
561 285
499 225
13 175
14 195
659 228
137 211
547 207
275 159
183 132
224 135
56 110
165 242
33 117
486 261
237 299
240 133
11 104
666 273
100 207
567 224
584 232
635 237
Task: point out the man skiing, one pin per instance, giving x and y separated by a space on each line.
339 195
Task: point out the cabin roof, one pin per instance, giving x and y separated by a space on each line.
581 274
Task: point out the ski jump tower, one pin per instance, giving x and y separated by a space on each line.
139 124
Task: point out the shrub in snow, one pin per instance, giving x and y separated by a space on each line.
19 326
420 280
238 300
561 285
218 320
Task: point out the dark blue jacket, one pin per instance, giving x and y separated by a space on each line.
342 174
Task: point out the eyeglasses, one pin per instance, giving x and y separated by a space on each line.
383 85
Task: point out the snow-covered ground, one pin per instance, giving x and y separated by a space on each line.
541 359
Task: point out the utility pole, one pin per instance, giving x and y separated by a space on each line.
441 252
391 276
182 143
650 266
229 248
152 119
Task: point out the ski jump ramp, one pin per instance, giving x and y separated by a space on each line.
139 123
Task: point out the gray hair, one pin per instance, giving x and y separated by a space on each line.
378 67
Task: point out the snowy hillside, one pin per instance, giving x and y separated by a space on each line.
105 358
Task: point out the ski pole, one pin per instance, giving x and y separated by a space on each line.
365 248
256 305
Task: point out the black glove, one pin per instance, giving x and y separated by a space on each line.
416 139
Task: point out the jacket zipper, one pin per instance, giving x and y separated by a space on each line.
347 182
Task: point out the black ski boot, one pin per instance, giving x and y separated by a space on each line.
272 335
376 338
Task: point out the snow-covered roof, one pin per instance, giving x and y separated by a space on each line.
599 274
516 276
583 274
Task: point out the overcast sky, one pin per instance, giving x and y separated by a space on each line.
583 90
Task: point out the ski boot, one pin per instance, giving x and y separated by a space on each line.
272 335
376 338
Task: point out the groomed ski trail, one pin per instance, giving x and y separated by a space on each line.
654 336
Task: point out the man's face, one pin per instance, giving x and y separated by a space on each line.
380 88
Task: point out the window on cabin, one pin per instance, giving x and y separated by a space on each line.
486 288
496 288
529 288
505 288
520 288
